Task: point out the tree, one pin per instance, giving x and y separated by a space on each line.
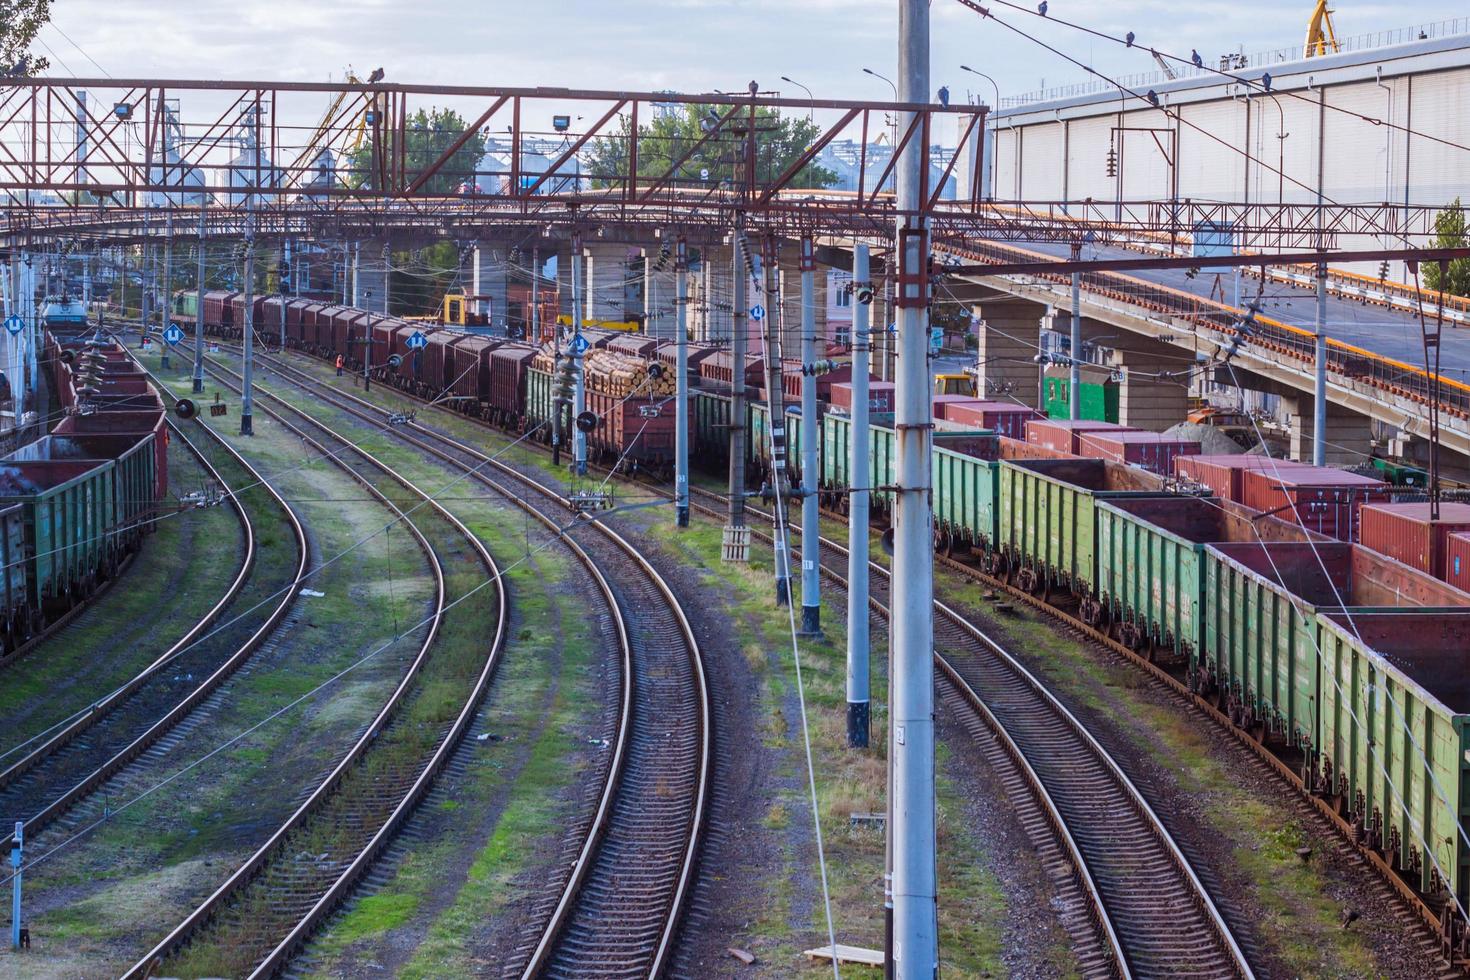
1449 232
419 279
19 22
427 135
780 142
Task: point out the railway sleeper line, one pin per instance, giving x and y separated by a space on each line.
270 905
626 892
73 763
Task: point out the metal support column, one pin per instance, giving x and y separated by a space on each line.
776 420
247 401
681 383
282 282
198 385
914 947
17 856
736 539
858 696
811 530
1074 375
534 336
1319 389
579 392
145 276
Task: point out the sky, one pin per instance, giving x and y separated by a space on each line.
684 45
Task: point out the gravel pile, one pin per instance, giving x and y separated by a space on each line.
1212 442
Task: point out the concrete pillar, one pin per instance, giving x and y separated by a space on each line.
1009 341
606 275
371 276
564 278
1154 393
490 278
1349 435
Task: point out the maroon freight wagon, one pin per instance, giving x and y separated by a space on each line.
134 425
470 369
1318 497
636 430
1406 532
716 369
508 366
1064 435
1151 450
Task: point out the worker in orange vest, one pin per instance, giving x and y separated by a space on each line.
339 365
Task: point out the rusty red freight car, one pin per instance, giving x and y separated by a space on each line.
1153 451
1406 531
1064 435
1223 474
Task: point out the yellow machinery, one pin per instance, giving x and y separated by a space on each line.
954 384
1321 37
458 310
626 326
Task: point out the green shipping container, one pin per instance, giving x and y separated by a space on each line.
1262 603
1395 703
68 512
1048 526
1099 400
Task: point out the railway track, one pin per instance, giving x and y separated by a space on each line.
254 921
617 911
1151 914
71 761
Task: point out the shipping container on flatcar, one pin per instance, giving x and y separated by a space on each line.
1002 417
1406 532
1224 474
1319 497
1151 450
1393 739
1064 435
1261 604
880 396
1457 561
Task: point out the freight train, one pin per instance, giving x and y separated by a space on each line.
1251 577
76 502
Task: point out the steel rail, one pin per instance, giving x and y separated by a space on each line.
585 862
180 709
242 876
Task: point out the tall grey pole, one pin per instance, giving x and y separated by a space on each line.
534 335
145 277
168 268
579 391
281 284
198 385
914 948
1319 390
857 522
247 402
735 540
681 382
1074 378
17 854
811 530
776 422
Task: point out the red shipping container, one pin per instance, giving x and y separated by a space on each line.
1153 451
1457 561
1222 473
1006 418
1317 497
880 396
1062 435
1405 532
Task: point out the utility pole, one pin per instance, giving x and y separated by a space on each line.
199 310
811 530
283 280
1075 374
247 402
1319 388
579 392
681 382
534 336
736 539
914 947
858 696
145 274
776 422
17 853
367 346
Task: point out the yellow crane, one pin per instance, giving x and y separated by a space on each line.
322 138
1321 37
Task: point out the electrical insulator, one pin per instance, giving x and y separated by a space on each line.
1112 162
1383 270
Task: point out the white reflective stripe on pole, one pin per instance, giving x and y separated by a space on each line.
579 392
811 530
1319 389
857 526
915 944
681 382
